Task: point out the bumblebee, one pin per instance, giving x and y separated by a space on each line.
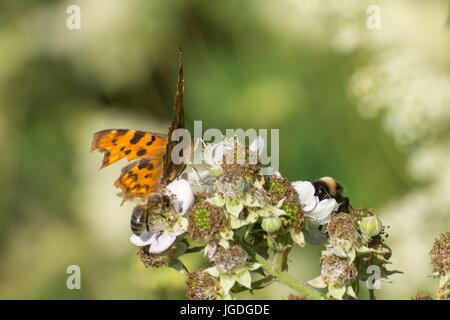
327 187
151 215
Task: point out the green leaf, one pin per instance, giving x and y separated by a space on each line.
227 234
227 281
177 265
337 293
224 243
234 207
216 200
280 203
244 277
385 273
249 201
298 238
351 254
213 272
236 223
351 292
252 266
364 250
276 211
252 217
318 282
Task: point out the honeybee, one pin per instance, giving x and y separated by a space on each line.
327 187
151 215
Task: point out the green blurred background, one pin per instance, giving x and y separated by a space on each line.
368 107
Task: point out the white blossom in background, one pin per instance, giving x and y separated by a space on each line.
415 95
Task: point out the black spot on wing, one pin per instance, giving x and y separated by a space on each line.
141 152
143 164
121 132
137 137
151 141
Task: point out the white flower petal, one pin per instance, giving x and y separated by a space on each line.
212 251
305 191
184 197
213 153
338 252
162 243
257 146
199 177
178 229
322 213
144 239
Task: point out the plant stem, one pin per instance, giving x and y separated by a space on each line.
372 294
194 249
281 276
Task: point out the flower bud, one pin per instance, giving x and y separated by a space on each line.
271 224
371 226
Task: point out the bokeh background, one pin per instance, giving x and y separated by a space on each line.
368 107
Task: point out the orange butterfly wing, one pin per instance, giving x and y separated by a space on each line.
154 167
139 178
117 144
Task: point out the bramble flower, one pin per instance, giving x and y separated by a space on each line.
343 233
150 259
167 227
337 274
423 296
202 286
205 221
231 265
236 205
228 259
440 254
318 212
440 259
284 196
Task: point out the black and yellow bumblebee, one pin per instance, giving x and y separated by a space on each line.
151 215
327 187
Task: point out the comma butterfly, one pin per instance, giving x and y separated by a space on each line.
151 167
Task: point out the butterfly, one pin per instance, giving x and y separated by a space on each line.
151 167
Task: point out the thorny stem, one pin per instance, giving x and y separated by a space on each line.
281 276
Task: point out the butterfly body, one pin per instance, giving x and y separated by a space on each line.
151 166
